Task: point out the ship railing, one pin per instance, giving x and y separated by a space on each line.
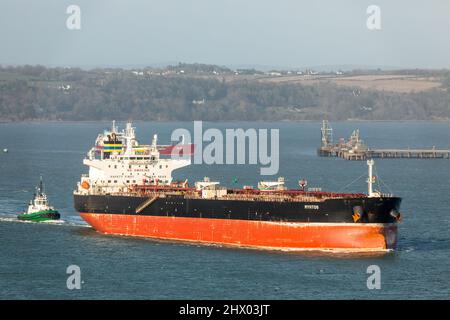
387 195
262 198
292 193
192 194
180 188
238 194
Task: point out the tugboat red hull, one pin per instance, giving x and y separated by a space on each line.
253 234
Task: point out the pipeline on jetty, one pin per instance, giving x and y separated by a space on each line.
355 149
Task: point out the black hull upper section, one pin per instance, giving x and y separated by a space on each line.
339 210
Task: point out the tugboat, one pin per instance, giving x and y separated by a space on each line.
39 208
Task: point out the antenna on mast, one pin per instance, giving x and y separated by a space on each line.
370 179
41 185
129 138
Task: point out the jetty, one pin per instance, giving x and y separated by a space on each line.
355 149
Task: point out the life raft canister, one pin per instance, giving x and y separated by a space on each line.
85 185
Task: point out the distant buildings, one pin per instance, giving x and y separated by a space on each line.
64 87
200 69
198 101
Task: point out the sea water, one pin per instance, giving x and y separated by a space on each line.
34 257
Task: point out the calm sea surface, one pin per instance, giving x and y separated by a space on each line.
34 257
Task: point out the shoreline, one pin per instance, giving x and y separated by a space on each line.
227 121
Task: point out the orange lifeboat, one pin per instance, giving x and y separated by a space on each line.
85 185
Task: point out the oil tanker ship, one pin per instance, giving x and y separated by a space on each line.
130 191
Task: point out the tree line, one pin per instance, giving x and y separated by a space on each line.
40 93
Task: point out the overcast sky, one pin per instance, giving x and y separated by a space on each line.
285 33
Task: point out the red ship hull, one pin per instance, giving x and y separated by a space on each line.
252 234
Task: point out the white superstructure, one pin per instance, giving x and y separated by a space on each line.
371 180
272 185
117 162
39 202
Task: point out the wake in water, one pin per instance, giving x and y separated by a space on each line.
68 221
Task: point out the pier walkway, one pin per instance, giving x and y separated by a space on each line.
355 149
